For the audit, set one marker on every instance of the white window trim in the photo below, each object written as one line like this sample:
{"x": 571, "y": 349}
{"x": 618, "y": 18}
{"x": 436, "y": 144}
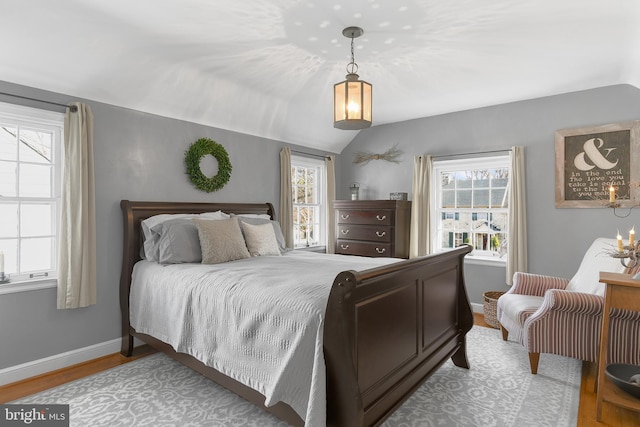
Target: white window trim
{"x": 464, "y": 164}
{"x": 316, "y": 163}
{"x": 28, "y": 116}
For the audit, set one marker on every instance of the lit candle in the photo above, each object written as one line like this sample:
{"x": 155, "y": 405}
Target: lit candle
{"x": 620, "y": 247}
{"x": 632, "y": 236}
{"x": 612, "y": 194}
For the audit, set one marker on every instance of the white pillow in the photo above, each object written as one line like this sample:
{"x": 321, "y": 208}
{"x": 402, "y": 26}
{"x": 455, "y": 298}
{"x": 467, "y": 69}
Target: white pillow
{"x": 261, "y": 216}
{"x": 260, "y": 239}
{"x": 596, "y": 259}
{"x": 152, "y": 230}
{"x": 221, "y": 240}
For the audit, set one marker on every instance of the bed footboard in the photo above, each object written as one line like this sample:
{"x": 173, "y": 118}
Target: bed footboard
{"x": 388, "y": 329}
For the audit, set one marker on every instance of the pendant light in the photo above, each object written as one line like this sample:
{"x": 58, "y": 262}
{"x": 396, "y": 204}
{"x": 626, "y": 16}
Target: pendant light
{"x": 352, "y": 97}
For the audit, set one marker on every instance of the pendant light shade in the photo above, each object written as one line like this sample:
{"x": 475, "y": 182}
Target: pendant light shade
{"x": 352, "y": 97}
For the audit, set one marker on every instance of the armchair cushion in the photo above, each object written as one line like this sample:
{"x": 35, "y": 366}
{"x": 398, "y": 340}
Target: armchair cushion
{"x": 519, "y": 307}
{"x": 596, "y": 259}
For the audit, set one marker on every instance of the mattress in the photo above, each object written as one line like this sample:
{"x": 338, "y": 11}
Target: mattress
{"x": 257, "y": 320}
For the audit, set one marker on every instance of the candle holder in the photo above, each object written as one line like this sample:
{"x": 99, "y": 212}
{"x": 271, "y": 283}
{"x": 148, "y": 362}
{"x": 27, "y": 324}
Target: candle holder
{"x": 629, "y": 253}
{"x": 616, "y": 205}
{"x": 616, "y": 201}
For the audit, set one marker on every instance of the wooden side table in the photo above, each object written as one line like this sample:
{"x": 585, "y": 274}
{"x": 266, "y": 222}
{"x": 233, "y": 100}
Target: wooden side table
{"x": 624, "y": 293}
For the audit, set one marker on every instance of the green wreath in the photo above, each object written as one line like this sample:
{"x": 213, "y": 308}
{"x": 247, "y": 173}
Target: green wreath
{"x": 194, "y": 155}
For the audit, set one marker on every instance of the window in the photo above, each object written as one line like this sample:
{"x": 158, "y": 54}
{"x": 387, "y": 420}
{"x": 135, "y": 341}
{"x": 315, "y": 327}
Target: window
{"x": 30, "y": 176}
{"x": 471, "y": 205}
{"x": 307, "y": 182}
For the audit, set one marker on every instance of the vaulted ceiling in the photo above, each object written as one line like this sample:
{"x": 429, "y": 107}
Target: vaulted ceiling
{"x": 267, "y": 67}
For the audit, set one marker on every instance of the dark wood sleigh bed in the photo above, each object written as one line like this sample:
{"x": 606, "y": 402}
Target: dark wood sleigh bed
{"x": 387, "y": 329}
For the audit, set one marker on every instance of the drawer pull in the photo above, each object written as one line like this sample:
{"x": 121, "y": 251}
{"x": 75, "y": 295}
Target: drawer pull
{"x": 381, "y": 251}
{"x": 345, "y": 232}
{"x": 381, "y": 234}
{"x": 381, "y": 218}
{"x": 344, "y": 247}
{"x": 343, "y": 216}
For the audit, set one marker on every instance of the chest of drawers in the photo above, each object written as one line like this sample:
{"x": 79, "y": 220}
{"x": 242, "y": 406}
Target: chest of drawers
{"x": 372, "y": 227}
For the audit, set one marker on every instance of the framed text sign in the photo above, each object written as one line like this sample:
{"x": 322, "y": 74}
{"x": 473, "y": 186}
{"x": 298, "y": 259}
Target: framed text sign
{"x": 589, "y": 161}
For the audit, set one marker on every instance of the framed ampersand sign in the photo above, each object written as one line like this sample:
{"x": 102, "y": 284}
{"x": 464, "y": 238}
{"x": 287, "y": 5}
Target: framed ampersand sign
{"x": 596, "y": 165}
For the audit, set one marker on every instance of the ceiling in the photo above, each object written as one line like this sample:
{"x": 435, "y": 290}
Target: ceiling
{"x": 267, "y": 67}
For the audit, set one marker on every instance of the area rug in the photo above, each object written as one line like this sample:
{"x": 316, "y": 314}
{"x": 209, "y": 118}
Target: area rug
{"x": 497, "y": 391}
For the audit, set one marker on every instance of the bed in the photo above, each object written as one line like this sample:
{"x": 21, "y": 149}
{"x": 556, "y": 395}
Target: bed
{"x": 387, "y": 326}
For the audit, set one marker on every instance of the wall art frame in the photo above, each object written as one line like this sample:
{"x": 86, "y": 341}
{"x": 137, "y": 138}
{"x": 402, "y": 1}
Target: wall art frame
{"x": 591, "y": 159}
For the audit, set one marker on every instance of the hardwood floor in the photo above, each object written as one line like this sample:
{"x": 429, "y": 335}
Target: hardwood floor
{"x": 612, "y": 416}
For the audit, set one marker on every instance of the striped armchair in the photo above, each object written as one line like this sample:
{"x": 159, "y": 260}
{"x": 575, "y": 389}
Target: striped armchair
{"x": 559, "y": 316}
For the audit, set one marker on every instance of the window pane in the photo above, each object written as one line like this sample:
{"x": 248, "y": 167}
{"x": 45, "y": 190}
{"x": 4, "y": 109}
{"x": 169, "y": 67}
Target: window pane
{"x": 499, "y": 198}
{"x": 35, "y": 146}
{"x": 448, "y": 199}
{"x": 8, "y": 146}
{"x": 9, "y": 222}
{"x": 480, "y": 198}
{"x": 10, "y": 249}
{"x": 35, "y": 181}
{"x": 499, "y": 221}
{"x": 463, "y": 199}
{"x": 447, "y": 222}
{"x": 8, "y": 179}
{"x": 463, "y": 179}
{"x": 464, "y": 221}
{"x": 448, "y": 181}
{"x": 482, "y": 181}
{"x": 35, "y": 220}
{"x": 35, "y": 254}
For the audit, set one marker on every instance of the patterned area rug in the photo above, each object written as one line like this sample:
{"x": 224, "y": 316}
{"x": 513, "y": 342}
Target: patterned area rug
{"x": 498, "y": 391}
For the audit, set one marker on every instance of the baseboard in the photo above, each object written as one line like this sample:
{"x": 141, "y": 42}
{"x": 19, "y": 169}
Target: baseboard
{"x": 63, "y": 360}
{"x": 58, "y": 361}
{"x": 477, "y": 308}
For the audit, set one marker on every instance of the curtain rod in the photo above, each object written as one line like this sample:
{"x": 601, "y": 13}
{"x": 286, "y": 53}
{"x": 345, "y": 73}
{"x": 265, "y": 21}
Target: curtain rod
{"x": 72, "y": 108}
{"x": 320, "y": 156}
{"x": 470, "y": 153}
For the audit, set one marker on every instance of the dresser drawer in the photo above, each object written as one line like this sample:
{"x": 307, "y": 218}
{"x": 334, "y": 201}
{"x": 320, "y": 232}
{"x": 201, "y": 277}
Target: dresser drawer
{"x": 354, "y": 247}
{"x": 352, "y": 216}
{"x": 370, "y": 233}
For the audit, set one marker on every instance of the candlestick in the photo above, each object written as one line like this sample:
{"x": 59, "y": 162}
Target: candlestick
{"x": 612, "y": 194}
{"x": 632, "y": 236}
{"x": 620, "y": 246}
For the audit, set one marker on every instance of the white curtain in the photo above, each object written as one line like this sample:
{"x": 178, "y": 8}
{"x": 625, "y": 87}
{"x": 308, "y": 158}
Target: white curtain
{"x": 517, "y": 240}
{"x": 330, "y": 169}
{"x": 77, "y": 241}
{"x": 286, "y": 201}
{"x": 420, "y": 237}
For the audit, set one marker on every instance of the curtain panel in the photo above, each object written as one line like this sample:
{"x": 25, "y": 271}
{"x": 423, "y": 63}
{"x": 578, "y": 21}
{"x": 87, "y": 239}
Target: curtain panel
{"x": 77, "y": 239}
{"x": 420, "y": 237}
{"x": 330, "y": 170}
{"x": 517, "y": 240}
{"x": 286, "y": 197}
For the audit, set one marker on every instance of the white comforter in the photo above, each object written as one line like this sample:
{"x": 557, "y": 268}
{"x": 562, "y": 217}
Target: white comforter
{"x": 258, "y": 320}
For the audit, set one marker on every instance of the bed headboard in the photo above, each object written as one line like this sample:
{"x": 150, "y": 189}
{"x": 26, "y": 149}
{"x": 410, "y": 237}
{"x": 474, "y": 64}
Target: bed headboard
{"x": 135, "y": 212}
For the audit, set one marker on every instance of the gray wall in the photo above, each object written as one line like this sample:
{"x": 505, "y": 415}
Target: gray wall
{"x": 138, "y": 156}
{"x": 557, "y": 238}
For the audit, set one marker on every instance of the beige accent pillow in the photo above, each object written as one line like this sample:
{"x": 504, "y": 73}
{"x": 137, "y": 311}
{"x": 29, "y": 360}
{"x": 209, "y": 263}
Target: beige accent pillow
{"x": 221, "y": 240}
{"x": 261, "y": 239}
